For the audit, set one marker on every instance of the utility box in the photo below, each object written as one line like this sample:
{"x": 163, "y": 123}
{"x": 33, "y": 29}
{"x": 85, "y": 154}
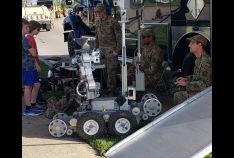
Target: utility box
{"x": 140, "y": 81}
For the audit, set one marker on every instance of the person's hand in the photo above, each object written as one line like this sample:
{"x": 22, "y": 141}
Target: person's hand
{"x": 131, "y": 72}
{"x": 131, "y": 69}
{"x": 141, "y": 68}
{"x": 114, "y": 53}
{"x": 138, "y": 60}
{"x": 181, "y": 81}
{"x": 38, "y": 68}
{"x": 80, "y": 75}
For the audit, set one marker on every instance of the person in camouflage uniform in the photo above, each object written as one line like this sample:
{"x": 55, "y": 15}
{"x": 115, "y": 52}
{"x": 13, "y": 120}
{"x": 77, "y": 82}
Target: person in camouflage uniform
{"x": 55, "y": 106}
{"x": 150, "y": 61}
{"x": 109, "y": 41}
{"x": 202, "y": 75}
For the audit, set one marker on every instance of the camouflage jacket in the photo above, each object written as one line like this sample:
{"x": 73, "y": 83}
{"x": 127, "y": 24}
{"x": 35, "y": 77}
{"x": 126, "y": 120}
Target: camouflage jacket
{"x": 151, "y": 61}
{"x": 202, "y": 75}
{"x": 108, "y": 34}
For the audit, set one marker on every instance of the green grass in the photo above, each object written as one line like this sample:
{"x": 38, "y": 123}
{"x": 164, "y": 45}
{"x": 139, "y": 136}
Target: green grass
{"x": 44, "y": 70}
{"x": 161, "y": 36}
{"x": 103, "y": 143}
{"x": 208, "y": 156}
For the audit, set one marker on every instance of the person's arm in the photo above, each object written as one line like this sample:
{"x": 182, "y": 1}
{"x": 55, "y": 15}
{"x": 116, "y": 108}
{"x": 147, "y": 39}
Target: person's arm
{"x": 32, "y": 52}
{"x": 118, "y": 37}
{"x": 96, "y": 41}
{"x": 205, "y": 79}
{"x": 37, "y": 67}
{"x": 26, "y": 46}
{"x": 155, "y": 63}
{"x": 32, "y": 42}
{"x": 181, "y": 81}
{"x": 96, "y": 36}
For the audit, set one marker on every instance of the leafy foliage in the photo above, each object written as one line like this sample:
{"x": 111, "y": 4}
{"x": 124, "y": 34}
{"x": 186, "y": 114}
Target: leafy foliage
{"x": 208, "y": 156}
{"x": 44, "y": 70}
{"x": 104, "y": 143}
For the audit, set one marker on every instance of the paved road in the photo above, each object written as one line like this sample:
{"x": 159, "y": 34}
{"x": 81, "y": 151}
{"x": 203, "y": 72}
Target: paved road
{"x": 51, "y": 42}
{"x": 36, "y": 140}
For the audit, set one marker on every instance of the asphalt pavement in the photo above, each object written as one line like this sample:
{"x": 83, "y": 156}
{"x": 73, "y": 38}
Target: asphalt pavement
{"x": 38, "y": 143}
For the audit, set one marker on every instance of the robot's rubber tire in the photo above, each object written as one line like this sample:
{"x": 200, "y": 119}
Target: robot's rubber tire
{"x": 121, "y": 123}
{"x": 91, "y": 125}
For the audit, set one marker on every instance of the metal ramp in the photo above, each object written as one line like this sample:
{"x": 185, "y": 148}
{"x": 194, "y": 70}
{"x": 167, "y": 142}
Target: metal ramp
{"x": 184, "y": 131}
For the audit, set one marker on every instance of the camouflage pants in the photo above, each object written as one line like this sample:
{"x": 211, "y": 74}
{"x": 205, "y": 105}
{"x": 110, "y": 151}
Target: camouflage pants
{"x": 154, "y": 82}
{"x": 111, "y": 63}
{"x": 180, "y": 96}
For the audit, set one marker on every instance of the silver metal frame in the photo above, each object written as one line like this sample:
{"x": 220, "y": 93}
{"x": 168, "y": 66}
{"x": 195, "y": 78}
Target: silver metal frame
{"x": 157, "y": 120}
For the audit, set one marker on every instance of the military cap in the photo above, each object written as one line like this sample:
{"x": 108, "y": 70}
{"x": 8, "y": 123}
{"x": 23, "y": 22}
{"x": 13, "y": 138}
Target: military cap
{"x": 148, "y": 32}
{"x": 100, "y": 7}
{"x": 198, "y": 38}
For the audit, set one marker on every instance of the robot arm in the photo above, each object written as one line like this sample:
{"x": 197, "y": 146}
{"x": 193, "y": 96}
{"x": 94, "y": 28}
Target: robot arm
{"x": 87, "y": 87}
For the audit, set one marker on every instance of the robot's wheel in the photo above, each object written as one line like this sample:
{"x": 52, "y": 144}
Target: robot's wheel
{"x": 148, "y": 96}
{"x": 121, "y": 123}
{"x": 61, "y": 116}
{"x": 152, "y": 107}
{"x": 145, "y": 117}
{"x": 91, "y": 125}
{"x": 57, "y": 128}
{"x": 69, "y": 132}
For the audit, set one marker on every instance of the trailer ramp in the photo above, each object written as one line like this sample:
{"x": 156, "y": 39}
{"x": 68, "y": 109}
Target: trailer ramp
{"x": 184, "y": 131}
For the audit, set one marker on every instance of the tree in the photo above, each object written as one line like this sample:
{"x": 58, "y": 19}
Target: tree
{"x": 63, "y": 4}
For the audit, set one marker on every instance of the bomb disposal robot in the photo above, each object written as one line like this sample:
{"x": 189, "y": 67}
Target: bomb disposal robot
{"x": 115, "y": 115}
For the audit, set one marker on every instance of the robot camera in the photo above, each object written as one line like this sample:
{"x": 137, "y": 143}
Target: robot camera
{"x": 116, "y": 3}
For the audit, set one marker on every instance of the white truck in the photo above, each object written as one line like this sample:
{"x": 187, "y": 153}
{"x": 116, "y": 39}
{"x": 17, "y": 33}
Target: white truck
{"x": 37, "y": 13}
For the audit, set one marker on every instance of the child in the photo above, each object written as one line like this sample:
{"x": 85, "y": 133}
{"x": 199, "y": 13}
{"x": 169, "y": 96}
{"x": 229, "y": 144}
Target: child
{"x": 29, "y": 72}
{"x": 34, "y": 29}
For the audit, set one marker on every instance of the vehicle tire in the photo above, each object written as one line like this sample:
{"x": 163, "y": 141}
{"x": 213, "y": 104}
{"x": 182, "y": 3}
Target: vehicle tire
{"x": 121, "y": 123}
{"x": 71, "y": 45}
{"x": 91, "y": 125}
{"x": 47, "y": 29}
